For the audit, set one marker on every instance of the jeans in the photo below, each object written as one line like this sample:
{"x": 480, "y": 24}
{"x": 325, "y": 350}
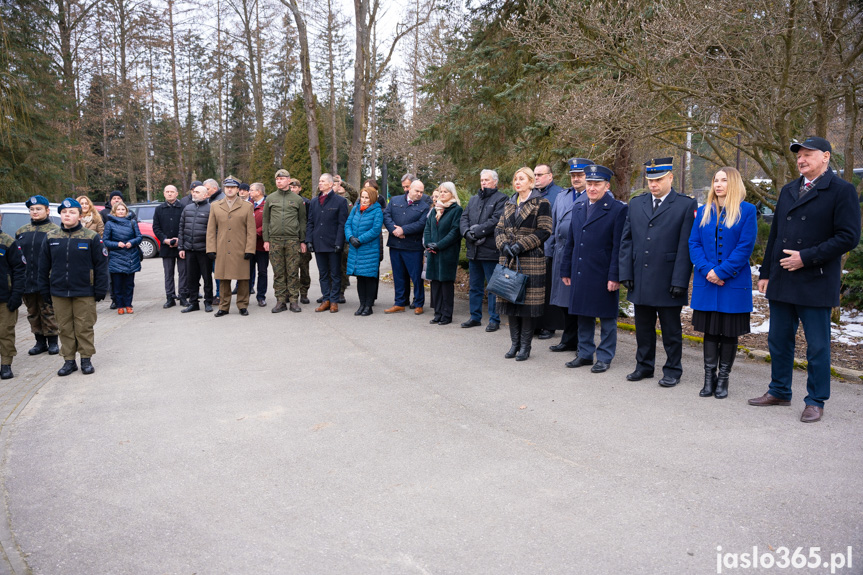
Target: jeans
{"x": 480, "y": 272}
{"x": 407, "y": 268}
{"x": 330, "y": 270}
{"x": 607, "y": 338}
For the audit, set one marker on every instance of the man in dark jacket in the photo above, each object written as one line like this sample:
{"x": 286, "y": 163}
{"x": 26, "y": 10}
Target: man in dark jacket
{"x": 11, "y": 291}
{"x": 325, "y": 235}
{"x": 192, "y": 242}
{"x": 166, "y": 226}
{"x": 477, "y": 226}
{"x": 655, "y": 269}
{"x": 113, "y": 199}
{"x": 551, "y": 319}
{"x": 816, "y": 221}
{"x": 261, "y": 261}
{"x": 405, "y": 219}
{"x": 305, "y": 257}
{"x": 187, "y": 199}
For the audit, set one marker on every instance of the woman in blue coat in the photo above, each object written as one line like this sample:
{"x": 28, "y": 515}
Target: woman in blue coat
{"x": 363, "y": 230}
{"x": 442, "y": 238}
{"x": 122, "y": 237}
{"x": 719, "y": 246}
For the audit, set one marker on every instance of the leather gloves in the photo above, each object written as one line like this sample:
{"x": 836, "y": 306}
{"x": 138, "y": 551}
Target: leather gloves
{"x": 677, "y": 292}
{"x": 355, "y": 242}
{"x": 211, "y": 255}
{"x": 249, "y": 256}
{"x": 99, "y": 296}
{"x": 310, "y": 247}
{"x": 14, "y": 302}
{"x": 628, "y": 284}
{"x": 470, "y": 235}
{"x": 432, "y": 247}
{"x": 507, "y": 251}
{"x": 515, "y": 249}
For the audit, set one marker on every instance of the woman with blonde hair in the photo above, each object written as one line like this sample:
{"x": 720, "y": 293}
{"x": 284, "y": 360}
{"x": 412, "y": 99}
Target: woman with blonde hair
{"x": 122, "y": 238}
{"x": 720, "y": 245}
{"x": 520, "y": 235}
{"x": 90, "y": 217}
{"x": 442, "y": 239}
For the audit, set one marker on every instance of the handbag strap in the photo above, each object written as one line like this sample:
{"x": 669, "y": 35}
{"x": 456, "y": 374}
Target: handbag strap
{"x": 517, "y": 264}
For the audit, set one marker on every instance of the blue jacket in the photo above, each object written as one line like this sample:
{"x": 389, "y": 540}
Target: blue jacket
{"x": 561, "y": 217}
{"x": 412, "y": 220}
{"x": 325, "y": 227}
{"x": 366, "y": 227}
{"x": 122, "y": 260}
{"x": 725, "y": 251}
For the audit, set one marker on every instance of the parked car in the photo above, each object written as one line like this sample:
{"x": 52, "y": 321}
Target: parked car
{"x": 16, "y": 215}
{"x": 144, "y": 211}
{"x": 764, "y": 212}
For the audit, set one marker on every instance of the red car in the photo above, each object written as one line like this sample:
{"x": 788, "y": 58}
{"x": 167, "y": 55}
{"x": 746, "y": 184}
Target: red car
{"x": 149, "y": 242}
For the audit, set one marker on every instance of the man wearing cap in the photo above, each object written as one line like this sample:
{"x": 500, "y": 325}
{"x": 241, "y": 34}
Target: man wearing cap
{"x": 590, "y": 265}
{"x": 40, "y": 312}
{"x": 166, "y": 226}
{"x": 405, "y": 218}
{"x": 12, "y": 277}
{"x": 655, "y": 269}
{"x": 325, "y": 233}
{"x": 284, "y": 233}
{"x": 261, "y": 261}
{"x": 74, "y": 275}
{"x": 231, "y": 244}
{"x": 306, "y": 256}
{"x": 561, "y": 215}
{"x": 243, "y": 194}
{"x": 193, "y": 249}
{"x": 551, "y": 319}
{"x": 816, "y": 221}
{"x": 114, "y": 198}
{"x": 187, "y": 199}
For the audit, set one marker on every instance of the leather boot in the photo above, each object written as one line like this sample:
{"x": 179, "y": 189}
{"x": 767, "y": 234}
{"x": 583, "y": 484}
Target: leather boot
{"x": 87, "y": 367}
{"x": 711, "y": 360}
{"x": 68, "y": 367}
{"x": 526, "y": 339}
{"x": 727, "y": 353}
{"x": 40, "y": 347}
{"x": 53, "y": 347}
{"x": 184, "y": 302}
{"x": 6, "y": 371}
{"x": 514, "y": 336}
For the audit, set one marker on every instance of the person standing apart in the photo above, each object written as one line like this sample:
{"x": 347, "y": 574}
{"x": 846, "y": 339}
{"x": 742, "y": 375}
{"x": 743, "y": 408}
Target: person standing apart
{"x": 283, "y": 229}
{"x": 591, "y": 266}
{"x": 363, "y": 230}
{"x": 816, "y": 221}
{"x": 166, "y": 226}
{"x": 720, "y": 245}
{"x": 655, "y": 269}
{"x": 12, "y": 278}
{"x": 325, "y": 232}
{"x": 193, "y": 249}
{"x": 231, "y": 244}
{"x": 40, "y": 312}
{"x": 122, "y": 238}
{"x": 261, "y": 261}
{"x": 405, "y": 219}
{"x": 74, "y": 277}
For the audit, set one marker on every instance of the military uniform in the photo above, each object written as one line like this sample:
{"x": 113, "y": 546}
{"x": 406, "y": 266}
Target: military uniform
{"x": 305, "y": 260}
{"x": 40, "y": 313}
{"x": 11, "y": 289}
{"x": 284, "y": 227}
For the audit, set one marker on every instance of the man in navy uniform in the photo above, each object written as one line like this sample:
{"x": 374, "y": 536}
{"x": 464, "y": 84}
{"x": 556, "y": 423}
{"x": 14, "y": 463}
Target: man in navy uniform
{"x": 817, "y": 220}
{"x": 591, "y": 266}
{"x": 655, "y": 269}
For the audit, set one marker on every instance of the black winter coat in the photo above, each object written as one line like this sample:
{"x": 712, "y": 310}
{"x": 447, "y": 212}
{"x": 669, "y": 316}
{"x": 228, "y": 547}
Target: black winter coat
{"x": 193, "y": 226}
{"x": 822, "y": 225}
{"x": 483, "y": 211}
{"x": 30, "y": 238}
{"x": 325, "y": 228}
{"x": 11, "y": 270}
{"x": 75, "y": 264}
{"x": 166, "y": 224}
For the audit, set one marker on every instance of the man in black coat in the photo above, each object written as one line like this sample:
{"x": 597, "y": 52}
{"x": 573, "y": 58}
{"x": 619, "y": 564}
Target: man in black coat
{"x": 192, "y": 241}
{"x": 166, "y": 226}
{"x": 477, "y": 226}
{"x": 405, "y": 219}
{"x": 655, "y": 269}
{"x": 325, "y": 236}
{"x": 817, "y": 220}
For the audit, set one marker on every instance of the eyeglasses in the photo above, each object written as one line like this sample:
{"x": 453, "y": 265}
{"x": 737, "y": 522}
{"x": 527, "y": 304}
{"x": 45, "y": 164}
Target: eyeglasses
{"x": 538, "y": 175}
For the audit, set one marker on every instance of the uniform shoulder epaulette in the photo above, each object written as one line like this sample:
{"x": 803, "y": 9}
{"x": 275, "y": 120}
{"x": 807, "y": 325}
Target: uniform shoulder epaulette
{"x": 6, "y": 239}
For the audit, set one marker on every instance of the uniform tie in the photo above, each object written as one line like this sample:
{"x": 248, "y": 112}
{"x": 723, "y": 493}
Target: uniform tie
{"x": 656, "y": 202}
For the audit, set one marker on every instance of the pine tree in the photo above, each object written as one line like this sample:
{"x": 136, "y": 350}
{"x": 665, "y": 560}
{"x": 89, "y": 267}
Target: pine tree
{"x": 296, "y": 158}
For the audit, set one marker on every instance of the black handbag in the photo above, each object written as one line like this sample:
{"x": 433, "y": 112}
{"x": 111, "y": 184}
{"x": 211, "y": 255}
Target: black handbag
{"x": 508, "y": 284}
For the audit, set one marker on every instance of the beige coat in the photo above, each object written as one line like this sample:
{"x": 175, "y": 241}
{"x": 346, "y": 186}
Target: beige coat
{"x": 231, "y": 234}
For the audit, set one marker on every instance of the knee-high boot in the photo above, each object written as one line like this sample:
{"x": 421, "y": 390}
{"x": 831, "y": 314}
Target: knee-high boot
{"x": 727, "y": 353}
{"x": 711, "y": 360}
{"x": 514, "y": 335}
{"x": 527, "y": 324}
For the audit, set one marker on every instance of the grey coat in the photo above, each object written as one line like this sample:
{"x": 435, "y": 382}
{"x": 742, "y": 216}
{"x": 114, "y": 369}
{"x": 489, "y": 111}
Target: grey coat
{"x": 561, "y": 217}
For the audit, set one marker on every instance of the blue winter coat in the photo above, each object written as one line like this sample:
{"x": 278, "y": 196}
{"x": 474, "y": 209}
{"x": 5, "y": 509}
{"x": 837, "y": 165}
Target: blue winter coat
{"x": 726, "y": 252}
{"x": 365, "y": 226}
{"x": 122, "y": 260}
{"x": 561, "y": 217}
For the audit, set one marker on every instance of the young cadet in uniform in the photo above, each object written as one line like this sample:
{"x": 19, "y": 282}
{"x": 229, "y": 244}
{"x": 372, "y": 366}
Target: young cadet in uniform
{"x": 74, "y": 275}
{"x": 11, "y": 289}
{"x": 40, "y": 313}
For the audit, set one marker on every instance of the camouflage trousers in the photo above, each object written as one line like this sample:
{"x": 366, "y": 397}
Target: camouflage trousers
{"x": 8, "y": 319}
{"x": 285, "y": 259}
{"x": 40, "y": 314}
{"x": 305, "y": 278}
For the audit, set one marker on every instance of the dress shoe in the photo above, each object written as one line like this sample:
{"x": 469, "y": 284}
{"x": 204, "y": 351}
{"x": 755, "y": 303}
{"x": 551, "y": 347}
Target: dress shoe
{"x": 87, "y": 367}
{"x": 184, "y": 302}
{"x": 766, "y": 400}
{"x": 492, "y": 326}
{"x": 342, "y": 298}
{"x": 811, "y": 414}
{"x": 40, "y": 347}
{"x": 262, "y": 302}
{"x": 113, "y": 306}
{"x": 360, "y": 310}
{"x": 562, "y": 347}
{"x": 244, "y": 311}
{"x": 295, "y": 307}
{"x": 208, "y": 307}
{"x": 130, "y": 310}
{"x": 215, "y": 300}
{"x": 395, "y": 309}
{"x": 121, "y": 311}
{"x": 638, "y": 375}
{"x": 279, "y": 307}
{"x": 545, "y": 334}
{"x": 6, "y": 371}
{"x": 68, "y": 367}
{"x": 367, "y": 311}
{"x": 668, "y": 381}
{"x": 191, "y": 307}
{"x": 412, "y": 305}
{"x": 471, "y": 323}
{"x": 169, "y": 303}
{"x": 220, "y": 313}
{"x": 334, "y": 308}
{"x": 418, "y": 311}
{"x": 304, "y": 299}
{"x": 53, "y": 345}
{"x": 435, "y": 319}
{"x": 320, "y": 299}
{"x": 599, "y": 367}
{"x": 445, "y": 321}
{"x": 579, "y": 361}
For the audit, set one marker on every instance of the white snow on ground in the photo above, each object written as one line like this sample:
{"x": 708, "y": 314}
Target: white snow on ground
{"x": 763, "y": 328}
{"x": 850, "y": 331}
{"x": 756, "y": 270}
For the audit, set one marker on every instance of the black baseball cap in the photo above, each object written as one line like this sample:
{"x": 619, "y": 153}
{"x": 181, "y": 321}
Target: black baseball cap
{"x": 812, "y": 143}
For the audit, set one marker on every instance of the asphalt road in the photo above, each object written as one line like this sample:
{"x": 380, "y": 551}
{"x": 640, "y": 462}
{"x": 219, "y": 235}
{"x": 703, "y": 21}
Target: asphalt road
{"x": 328, "y": 443}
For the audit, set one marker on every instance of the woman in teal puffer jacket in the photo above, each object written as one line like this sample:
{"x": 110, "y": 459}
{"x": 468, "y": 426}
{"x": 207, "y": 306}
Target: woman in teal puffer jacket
{"x": 363, "y": 230}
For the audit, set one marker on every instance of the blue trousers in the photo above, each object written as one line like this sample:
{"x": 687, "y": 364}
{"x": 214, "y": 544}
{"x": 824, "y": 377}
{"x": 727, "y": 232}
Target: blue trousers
{"x": 260, "y": 261}
{"x": 784, "y": 320}
{"x": 480, "y": 273}
{"x": 407, "y": 268}
{"x": 123, "y": 288}
{"x": 607, "y": 338}
{"x": 330, "y": 272}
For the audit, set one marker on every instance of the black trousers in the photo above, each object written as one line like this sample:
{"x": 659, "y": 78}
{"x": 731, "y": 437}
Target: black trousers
{"x": 330, "y": 274}
{"x": 168, "y": 264}
{"x": 260, "y": 261}
{"x": 442, "y": 298}
{"x": 672, "y": 338}
{"x": 570, "y": 329}
{"x": 199, "y": 266}
{"x": 367, "y": 290}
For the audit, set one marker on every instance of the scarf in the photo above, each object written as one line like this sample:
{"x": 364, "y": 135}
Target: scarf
{"x": 441, "y": 206}
{"x": 87, "y": 220}
{"x": 363, "y": 208}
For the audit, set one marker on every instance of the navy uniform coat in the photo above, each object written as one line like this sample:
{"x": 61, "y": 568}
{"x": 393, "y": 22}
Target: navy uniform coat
{"x": 822, "y": 225}
{"x": 592, "y": 257}
{"x": 555, "y": 246}
{"x": 325, "y": 228}
{"x": 654, "y": 250}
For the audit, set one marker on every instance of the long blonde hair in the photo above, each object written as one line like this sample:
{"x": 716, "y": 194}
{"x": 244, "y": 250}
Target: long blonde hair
{"x": 735, "y": 192}
{"x": 92, "y": 212}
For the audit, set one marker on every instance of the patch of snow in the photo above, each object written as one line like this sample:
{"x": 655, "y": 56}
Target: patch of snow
{"x": 763, "y": 328}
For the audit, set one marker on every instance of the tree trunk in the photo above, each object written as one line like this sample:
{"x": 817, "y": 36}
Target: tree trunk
{"x": 220, "y": 71}
{"x": 181, "y": 165}
{"x": 851, "y": 111}
{"x": 334, "y": 148}
{"x": 126, "y": 97}
{"x": 622, "y": 167}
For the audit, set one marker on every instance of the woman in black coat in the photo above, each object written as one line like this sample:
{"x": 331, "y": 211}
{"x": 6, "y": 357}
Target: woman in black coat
{"x": 442, "y": 239}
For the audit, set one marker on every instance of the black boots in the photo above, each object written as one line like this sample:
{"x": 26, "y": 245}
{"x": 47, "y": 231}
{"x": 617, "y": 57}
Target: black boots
{"x": 526, "y": 339}
{"x": 514, "y": 336}
{"x": 711, "y": 360}
{"x": 40, "y": 347}
{"x": 184, "y": 302}
{"x": 194, "y": 306}
{"x": 169, "y": 303}
{"x": 6, "y": 371}
{"x": 53, "y": 347}
{"x": 68, "y": 367}
{"x": 87, "y": 367}
{"x": 727, "y": 354}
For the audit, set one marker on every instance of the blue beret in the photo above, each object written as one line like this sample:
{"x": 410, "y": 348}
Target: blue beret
{"x": 658, "y": 167}
{"x": 595, "y": 173}
{"x": 578, "y": 164}
{"x": 37, "y": 201}
{"x": 69, "y": 203}
{"x": 231, "y": 182}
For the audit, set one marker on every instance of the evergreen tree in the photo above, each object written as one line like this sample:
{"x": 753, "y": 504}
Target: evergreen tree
{"x": 262, "y": 165}
{"x": 241, "y": 122}
{"x": 296, "y": 158}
